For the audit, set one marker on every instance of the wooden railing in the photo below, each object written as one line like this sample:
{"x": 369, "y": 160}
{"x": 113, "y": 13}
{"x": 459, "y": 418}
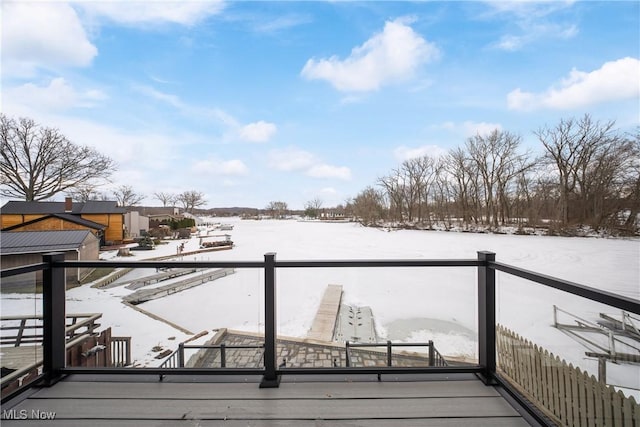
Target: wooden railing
{"x": 29, "y": 328}
{"x": 566, "y": 394}
{"x": 84, "y": 346}
{"x": 120, "y": 351}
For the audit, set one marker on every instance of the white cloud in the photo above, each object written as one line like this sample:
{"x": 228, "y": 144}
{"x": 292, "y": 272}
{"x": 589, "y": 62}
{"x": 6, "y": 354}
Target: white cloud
{"x": 167, "y": 98}
{"x": 293, "y": 159}
{"x": 281, "y": 23}
{"x": 56, "y": 96}
{"x": 615, "y": 80}
{"x": 220, "y": 167}
{"x": 479, "y": 128}
{"x": 510, "y": 42}
{"x": 534, "y": 19}
{"x": 528, "y": 8}
{"x": 470, "y": 128}
{"x": 42, "y": 35}
{"x": 329, "y": 191}
{"x": 328, "y": 171}
{"x": 403, "y": 153}
{"x": 260, "y": 131}
{"x": 290, "y": 159}
{"x": 152, "y": 12}
{"x": 532, "y": 32}
{"x": 392, "y": 55}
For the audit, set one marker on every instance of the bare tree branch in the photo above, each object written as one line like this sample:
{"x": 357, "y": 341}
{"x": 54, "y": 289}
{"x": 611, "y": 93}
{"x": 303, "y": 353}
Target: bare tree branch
{"x": 36, "y": 162}
{"x": 125, "y": 196}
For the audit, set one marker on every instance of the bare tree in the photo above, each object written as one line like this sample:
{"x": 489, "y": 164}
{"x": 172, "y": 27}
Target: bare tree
{"x": 277, "y": 209}
{"x": 460, "y": 171}
{"x": 312, "y": 208}
{"x": 37, "y": 162}
{"x": 609, "y": 181}
{"x": 166, "y": 198}
{"x": 191, "y": 199}
{"x": 571, "y": 146}
{"x": 125, "y": 196}
{"x": 394, "y": 186}
{"x": 498, "y": 162}
{"x": 631, "y": 192}
{"x": 85, "y": 193}
{"x": 368, "y": 206}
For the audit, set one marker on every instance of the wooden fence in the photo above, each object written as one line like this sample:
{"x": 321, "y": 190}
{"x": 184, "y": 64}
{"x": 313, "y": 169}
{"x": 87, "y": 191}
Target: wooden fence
{"x": 567, "y": 395}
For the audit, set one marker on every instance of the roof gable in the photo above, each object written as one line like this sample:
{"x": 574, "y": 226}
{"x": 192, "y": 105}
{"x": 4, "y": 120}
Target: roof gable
{"x": 65, "y": 217}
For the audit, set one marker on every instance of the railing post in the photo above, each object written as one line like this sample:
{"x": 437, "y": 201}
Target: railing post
{"x": 53, "y": 315}
{"x": 389, "y": 353}
{"x": 432, "y": 354}
{"x": 181, "y": 355}
{"x": 223, "y": 355}
{"x": 347, "y": 357}
{"x": 270, "y": 379}
{"x": 487, "y": 317}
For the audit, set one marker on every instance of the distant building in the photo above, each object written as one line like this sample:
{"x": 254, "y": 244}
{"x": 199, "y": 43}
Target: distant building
{"x": 19, "y": 248}
{"x": 135, "y": 224}
{"x": 332, "y": 214}
{"x": 105, "y": 219}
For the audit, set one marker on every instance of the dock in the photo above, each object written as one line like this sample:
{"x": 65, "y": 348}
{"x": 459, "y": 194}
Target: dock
{"x": 144, "y": 295}
{"x": 159, "y": 277}
{"x": 324, "y": 324}
{"x": 355, "y": 324}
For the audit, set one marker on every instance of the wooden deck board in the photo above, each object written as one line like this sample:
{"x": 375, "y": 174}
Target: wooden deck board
{"x": 82, "y": 390}
{"x": 301, "y": 404}
{"x": 283, "y": 409}
{"x": 433, "y": 422}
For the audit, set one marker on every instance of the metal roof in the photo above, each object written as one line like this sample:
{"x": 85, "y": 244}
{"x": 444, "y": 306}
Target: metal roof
{"x": 90, "y": 207}
{"x": 22, "y": 242}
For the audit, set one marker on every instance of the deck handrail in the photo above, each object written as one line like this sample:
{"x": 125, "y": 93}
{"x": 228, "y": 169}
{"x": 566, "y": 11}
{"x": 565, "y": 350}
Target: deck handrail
{"x": 54, "y": 331}
{"x": 88, "y": 321}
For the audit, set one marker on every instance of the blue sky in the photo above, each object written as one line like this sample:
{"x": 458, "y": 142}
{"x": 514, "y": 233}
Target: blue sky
{"x": 252, "y": 102}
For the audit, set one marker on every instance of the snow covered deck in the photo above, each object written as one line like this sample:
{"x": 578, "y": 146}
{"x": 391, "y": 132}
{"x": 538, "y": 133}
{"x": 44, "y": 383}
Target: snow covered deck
{"x": 335, "y": 400}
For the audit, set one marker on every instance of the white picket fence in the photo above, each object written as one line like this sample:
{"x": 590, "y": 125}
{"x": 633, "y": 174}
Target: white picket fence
{"x": 564, "y": 393}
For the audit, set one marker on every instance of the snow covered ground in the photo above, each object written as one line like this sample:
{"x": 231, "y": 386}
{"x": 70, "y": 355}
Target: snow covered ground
{"x": 408, "y": 304}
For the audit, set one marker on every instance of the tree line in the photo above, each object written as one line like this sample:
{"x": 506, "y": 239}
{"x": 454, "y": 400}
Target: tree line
{"x": 38, "y": 162}
{"x": 588, "y": 174}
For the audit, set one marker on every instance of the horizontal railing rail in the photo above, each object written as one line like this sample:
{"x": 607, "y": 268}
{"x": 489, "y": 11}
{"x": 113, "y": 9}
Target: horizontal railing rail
{"x": 604, "y": 297}
{"x": 14, "y": 271}
{"x": 434, "y": 357}
{"x": 222, "y": 347}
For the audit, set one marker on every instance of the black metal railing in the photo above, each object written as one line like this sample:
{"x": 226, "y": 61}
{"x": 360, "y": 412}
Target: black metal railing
{"x": 54, "y": 266}
{"x": 434, "y": 356}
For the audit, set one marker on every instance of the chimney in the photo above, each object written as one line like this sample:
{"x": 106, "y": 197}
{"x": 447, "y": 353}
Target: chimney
{"x": 68, "y": 204}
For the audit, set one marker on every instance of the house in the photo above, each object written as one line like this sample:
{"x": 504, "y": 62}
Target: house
{"x": 103, "y": 218}
{"x": 19, "y": 248}
{"x": 136, "y": 225}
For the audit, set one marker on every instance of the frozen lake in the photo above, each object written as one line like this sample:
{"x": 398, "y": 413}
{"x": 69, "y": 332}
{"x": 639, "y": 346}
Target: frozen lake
{"x": 409, "y": 304}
